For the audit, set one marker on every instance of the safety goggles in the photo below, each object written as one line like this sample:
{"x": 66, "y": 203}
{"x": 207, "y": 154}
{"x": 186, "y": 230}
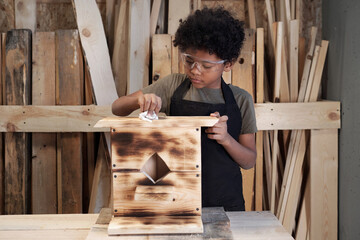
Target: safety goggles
{"x": 201, "y": 64}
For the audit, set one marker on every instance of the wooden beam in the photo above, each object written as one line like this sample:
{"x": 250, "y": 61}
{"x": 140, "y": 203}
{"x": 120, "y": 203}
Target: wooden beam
{"x": 294, "y": 59}
{"x": 69, "y": 87}
{"x": 2, "y": 79}
{"x": 44, "y": 195}
{"x": 7, "y": 13}
{"x": 155, "y": 9}
{"x": 259, "y": 135}
{"x": 324, "y": 175}
{"x": 251, "y": 11}
{"x": 269, "y": 116}
{"x": 93, "y": 41}
{"x": 17, "y": 149}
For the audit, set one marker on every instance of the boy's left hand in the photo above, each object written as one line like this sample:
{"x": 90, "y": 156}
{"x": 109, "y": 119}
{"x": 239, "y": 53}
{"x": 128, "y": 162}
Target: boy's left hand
{"x": 219, "y": 131}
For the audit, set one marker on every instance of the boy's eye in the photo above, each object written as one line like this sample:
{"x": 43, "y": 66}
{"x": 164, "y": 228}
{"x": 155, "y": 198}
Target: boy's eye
{"x": 207, "y": 65}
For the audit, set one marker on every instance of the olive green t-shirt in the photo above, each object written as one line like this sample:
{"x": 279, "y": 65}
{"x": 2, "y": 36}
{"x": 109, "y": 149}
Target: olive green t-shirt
{"x": 165, "y": 88}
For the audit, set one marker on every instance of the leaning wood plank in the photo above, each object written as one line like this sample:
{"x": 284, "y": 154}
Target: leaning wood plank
{"x": 120, "y": 54}
{"x": 2, "y": 72}
{"x": 93, "y": 41}
{"x": 17, "y": 92}
{"x": 323, "y": 175}
{"x": 269, "y": 116}
{"x": 44, "y": 198}
{"x": 312, "y": 73}
{"x": 109, "y": 23}
{"x": 251, "y": 10}
{"x": 259, "y": 135}
{"x": 139, "y": 45}
{"x": 304, "y": 217}
{"x": 178, "y": 10}
{"x": 174, "y": 57}
{"x": 293, "y": 52}
{"x": 161, "y": 48}
{"x": 155, "y": 9}
{"x": 25, "y": 14}
{"x": 69, "y": 83}
{"x": 7, "y": 13}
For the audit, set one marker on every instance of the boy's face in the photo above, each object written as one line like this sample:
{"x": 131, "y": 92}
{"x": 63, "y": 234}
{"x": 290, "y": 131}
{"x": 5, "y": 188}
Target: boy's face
{"x": 203, "y": 69}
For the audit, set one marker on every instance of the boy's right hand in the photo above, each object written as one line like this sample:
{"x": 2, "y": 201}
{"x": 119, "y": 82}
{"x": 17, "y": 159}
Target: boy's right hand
{"x": 149, "y": 102}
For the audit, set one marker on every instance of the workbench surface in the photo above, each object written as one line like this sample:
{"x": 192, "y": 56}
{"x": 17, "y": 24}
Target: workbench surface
{"x": 244, "y": 225}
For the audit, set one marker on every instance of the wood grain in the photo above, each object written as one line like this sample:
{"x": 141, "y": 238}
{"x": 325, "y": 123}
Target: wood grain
{"x": 178, "y": 11}
{"x": 162, "y": 55}
{"x": 17, "y": 148}
{"x": 44, "y": 194}
{"x": 25, "y": 14}
{"x": 69, "y": 87}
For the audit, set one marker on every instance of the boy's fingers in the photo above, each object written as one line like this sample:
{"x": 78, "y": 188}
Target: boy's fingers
{"x": 215, "y": 114}
{"x": 141, "y": 104}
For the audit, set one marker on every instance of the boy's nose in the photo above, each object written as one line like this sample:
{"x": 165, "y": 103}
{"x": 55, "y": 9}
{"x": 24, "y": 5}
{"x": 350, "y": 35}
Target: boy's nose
{"x": 198, "y": 67}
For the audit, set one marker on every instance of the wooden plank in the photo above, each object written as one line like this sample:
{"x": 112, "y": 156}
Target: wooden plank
{"x": 177, "y": 147}
{"x": 324, "y": 175}
{"x": 259, "y": 135}
{"x": 161, "y": 48}
{"x": 251, "y": 10}
{"x": 93, "y": 41}
{"x": 69, "y": 84}
{"x": 120, "y": 65}
{"x": 235, "y": 6}
{"x": 312, "y": 74}
{"x": 110, "y": 6}
{"x": 2, "y": 77}
{"x": 269, "y": 116}
{"x": 25, "y": 14}
{"x": 178, "y": 11}
{"x": 304, "y": 217}
{"x": 17, "y": 148}
{"x": 302, "y": 54}
{"x": 101, "y": 187}
{"x": 7, "y": 15}
{"x": 175, "y": 57}
{"x": 155, "y": 9}
{"x": 242, "y": 71}
{"x": 294, "y": 59}
{"x": 44, "y": 197}
{"x": 139, "y": 45}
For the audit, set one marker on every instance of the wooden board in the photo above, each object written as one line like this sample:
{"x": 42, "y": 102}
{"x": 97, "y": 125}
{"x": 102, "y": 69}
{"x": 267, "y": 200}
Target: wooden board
{"x": 93, "y": 41}
{"x": 269, "y": 116}
{"x": 17, "y": 92}
{"x": 2, "y": 76}
{"x": 119, "y": 63}
{"x": 7, "y": 15}
{"x": 324, "y": 176}
{"x": 162, "y": 55}
{"x": 44, "y": 195}
{"x": 69, "y": 87}
{"x": 179, "y": 147}
{"x": 25, "y": 14}
{"x": 178, "y": 11}
{"x": 139, "y": 45}
{"x": 235, "y": 6}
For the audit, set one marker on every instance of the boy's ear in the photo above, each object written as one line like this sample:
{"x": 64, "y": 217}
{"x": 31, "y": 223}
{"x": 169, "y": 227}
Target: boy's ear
{"x": 228, "y": 66}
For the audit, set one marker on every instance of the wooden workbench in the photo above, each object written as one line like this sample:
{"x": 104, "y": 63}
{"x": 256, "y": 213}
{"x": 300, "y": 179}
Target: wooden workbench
{"x": 244, "y": 225}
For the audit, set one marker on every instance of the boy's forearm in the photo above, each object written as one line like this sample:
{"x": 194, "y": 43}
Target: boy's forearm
{"x": 125, "y": 105}
{"x": 242, "y": 155}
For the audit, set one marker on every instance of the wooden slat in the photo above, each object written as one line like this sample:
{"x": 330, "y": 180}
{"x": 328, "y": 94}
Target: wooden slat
{"x": 110, "y": 22}
{"x": 324, "y": 175}
{"x": 175, "y": 61}
{"x": 269, "y": 116}
{"x": 294, "y": 58}
{"x": 2, "y": 77}
{"x": 251, "y": 10}
{"x": 7, "y": 13}
{"x": 93, "y": 41}
{"x": 304, "y": 217}
{"x": 237, "y": 7}
{"x": 17, "y": 92}
{"x": 69, "y": 86}
{"x": 25, "y": 14}
{"x": 120, "y": 65}
{"x": 162, "y": 56}
{"x": 259, "y": 135}
{"x": 155, "y": 9}
{"x": 44, "y": 195}
{"x": 178, "y": 10}
{"x": 139, "y": 45}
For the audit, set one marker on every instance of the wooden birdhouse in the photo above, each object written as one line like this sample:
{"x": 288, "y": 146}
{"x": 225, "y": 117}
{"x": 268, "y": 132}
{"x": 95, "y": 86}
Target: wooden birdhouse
{"x": 156, "y": 169}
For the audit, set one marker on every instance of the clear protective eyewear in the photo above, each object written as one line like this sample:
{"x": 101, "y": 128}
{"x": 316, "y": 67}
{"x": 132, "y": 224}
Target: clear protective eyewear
{"x": 202, "y": 65}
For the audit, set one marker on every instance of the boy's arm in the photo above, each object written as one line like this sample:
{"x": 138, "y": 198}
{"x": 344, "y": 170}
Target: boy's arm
{"x": 243, "y": 150}
{"x": 125, "y": 105}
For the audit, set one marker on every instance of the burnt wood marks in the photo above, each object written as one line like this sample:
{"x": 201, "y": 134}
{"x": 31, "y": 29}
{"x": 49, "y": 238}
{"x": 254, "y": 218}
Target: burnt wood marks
{"x": 178, "y": 147}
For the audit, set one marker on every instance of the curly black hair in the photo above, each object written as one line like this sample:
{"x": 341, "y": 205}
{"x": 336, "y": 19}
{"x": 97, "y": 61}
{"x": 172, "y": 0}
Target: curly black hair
{"x": 214, "y": 30}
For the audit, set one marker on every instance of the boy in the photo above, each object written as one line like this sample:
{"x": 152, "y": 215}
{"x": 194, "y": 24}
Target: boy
{"x": 210, "y": 41}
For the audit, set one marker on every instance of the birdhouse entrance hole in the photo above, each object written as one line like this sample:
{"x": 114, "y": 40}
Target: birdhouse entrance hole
{"x": 155, "y": 168}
